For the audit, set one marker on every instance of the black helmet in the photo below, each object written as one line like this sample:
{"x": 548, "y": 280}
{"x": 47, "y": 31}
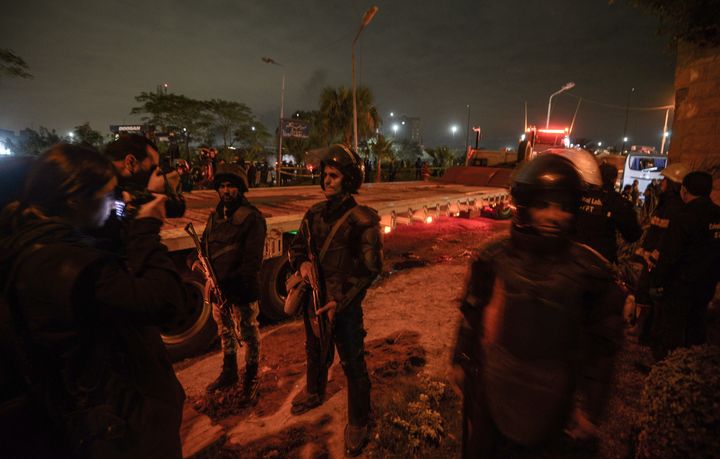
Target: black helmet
{"x": 346, "y": 161}
{"x": 546, "y": 178}
{"x": 232, "y": 173}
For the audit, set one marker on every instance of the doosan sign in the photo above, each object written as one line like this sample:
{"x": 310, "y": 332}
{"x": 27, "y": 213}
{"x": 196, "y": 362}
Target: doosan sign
{"x": 126, "y": 128}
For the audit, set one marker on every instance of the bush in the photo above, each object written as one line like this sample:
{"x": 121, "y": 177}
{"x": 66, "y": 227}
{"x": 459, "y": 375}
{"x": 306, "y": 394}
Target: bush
{"x": 416, "y": 420}
{"x": 681, "y": 400}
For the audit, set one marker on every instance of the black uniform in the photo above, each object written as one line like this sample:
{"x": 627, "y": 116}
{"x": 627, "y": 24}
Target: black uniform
{"x": 669, "y": 206}
{"x": 687, "y": 272}
{"x": 87, "y": 322}
{"x": 540, "y": 317}
{"x": 234, "y": 239}
{"x": 603, "y": 212}
{"x": 352, "y": 262}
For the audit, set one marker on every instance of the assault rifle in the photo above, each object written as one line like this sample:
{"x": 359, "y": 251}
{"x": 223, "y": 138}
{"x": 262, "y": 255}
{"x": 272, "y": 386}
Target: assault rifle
{"x": 212, "y": 285}
{"x": 320, "y": 323}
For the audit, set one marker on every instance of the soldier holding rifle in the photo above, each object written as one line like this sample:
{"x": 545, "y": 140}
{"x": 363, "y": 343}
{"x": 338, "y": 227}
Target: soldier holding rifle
{"x": 338, "y": 252}
{"x": 233, "y": 244}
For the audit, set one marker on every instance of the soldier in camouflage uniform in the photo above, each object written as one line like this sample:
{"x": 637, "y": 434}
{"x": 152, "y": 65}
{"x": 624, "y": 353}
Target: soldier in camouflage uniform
{"x": 234, "y": 240}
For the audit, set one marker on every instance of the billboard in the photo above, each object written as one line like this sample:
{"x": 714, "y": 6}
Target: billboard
{"x": 298, "y": 129}
{"x": 126, "y": 128}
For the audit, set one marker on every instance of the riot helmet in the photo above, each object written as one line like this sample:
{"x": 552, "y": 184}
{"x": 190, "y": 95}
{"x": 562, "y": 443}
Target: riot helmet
{"x": 583, "y": 161}
{"x": 547, "y": 178}
{"x": 232, "y": 173}
{"x": 346, "y": 161}
{"x": 676, "y": 172}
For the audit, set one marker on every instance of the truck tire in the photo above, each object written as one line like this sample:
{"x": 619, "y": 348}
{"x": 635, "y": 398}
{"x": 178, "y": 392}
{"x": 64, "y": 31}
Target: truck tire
{"x": 503, "y": 212}
{"x": 524, "y": 151}
{"x": 194, "y": 333}
{"x": 273, "y": 275}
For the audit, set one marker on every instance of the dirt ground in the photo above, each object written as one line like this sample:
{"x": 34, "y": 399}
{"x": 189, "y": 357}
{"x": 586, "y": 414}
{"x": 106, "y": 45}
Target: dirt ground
{"x": 411, "y": 318}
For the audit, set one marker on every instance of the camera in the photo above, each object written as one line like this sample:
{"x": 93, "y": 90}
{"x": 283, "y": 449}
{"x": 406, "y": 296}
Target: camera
{"x": 174, "y": 205}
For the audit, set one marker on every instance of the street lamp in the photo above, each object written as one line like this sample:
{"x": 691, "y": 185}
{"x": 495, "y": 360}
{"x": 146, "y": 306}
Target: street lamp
{"x": 565, "y": 87}
{"x": 395, "y": 128}
{"x": 467, "y": 128}
{"x": 269, "y": 60}
{"x": 369, "y": 14}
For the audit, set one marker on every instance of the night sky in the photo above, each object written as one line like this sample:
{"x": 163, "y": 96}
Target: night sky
{"x": 420, "y": 58}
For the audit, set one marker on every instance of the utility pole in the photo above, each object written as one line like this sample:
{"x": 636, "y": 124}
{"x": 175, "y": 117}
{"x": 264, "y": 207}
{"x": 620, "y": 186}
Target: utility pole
{"x": 467, "y": 128}
{"x": 369, "y": 14}
{"x": 278, "y": 167}
{"x": 665, "y": 132}
{"x": 627, "y": 116}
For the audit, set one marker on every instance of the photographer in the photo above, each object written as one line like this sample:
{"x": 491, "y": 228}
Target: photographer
{"x": 99, "y": 380}
{"x": 136, "y": 162}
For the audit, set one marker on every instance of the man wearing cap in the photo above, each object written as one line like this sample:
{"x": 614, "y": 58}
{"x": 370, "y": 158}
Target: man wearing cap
{"x": 233, "y": 241}
{"x": 684, "y": 279}
{"x": 646, "y": 257}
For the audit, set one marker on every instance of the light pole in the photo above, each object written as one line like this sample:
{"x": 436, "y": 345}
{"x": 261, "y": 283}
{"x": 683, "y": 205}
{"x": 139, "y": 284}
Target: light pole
{"x": 467, "y": 128}
{"x": 627, "y": 115}
{"x": 369, "y": 14}
{"x": 268, "y": 60}
{"x": 565, "y": 87}
{"x": 665, "y": 133}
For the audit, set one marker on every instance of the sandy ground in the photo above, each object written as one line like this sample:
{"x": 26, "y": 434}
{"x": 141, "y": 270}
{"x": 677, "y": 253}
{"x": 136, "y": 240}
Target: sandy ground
{"x": 410, "y": 317}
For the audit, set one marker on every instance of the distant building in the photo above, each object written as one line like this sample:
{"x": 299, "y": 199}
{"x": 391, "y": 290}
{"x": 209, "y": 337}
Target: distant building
{"x": 404, "y": 128}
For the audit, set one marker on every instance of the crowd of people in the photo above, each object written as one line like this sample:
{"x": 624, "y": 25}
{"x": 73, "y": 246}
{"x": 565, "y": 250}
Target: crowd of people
{"x": 86, "y": 284}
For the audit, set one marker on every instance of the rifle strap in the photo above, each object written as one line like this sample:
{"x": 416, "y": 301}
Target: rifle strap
{"x": 333, "y": 231}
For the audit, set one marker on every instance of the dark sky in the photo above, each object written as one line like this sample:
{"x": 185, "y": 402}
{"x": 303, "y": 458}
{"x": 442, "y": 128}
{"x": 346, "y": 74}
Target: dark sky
{"x": 420, "y": 58}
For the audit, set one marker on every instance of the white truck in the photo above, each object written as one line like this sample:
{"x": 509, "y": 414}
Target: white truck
{"x": 283, "y": 207}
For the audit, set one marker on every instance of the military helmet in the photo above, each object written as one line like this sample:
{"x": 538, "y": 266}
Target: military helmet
{"x": 346, "y": 161}
{"x": 583, "y": 161}
{"x": 547, "y": 178}
{"x": 233, "y": 173}
{"x": 676, "y": 172}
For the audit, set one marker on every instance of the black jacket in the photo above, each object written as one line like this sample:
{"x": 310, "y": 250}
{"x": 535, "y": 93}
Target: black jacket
{"x": 354, "y": 258}
{"x": 602, "y": 214}
{"x": 88, "y": 325}
{"x": 534, "y": 309}
{"x": 235, "y": 244}
{"x": 689, "y": 264}
{"x": 669, "y": 206}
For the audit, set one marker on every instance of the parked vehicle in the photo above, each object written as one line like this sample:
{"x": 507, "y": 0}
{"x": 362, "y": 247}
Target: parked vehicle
{"x": 398, "y": 203}
{"x": 643, "y": 167}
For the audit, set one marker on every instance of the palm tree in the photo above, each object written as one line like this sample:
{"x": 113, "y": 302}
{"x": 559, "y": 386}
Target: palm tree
{"x": 336, "y": 115}
{"x": 382, "y": 149}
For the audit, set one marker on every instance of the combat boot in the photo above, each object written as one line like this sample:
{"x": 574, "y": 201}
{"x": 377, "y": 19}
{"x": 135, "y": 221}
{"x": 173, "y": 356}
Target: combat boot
{"x": 305, "y": 401}
{"x": 228, "y": 375}
{"x": 250, "y": 382}
{"x": 356, "y": 437}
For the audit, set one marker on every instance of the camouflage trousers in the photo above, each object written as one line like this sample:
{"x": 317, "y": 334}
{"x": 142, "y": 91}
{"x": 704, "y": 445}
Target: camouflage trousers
{"x": 243, "y": 318}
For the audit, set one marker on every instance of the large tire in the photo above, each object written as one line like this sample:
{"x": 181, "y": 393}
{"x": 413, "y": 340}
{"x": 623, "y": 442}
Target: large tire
{"x": 273, "y": 275}
{"x": 503, "y": 211}
{"x": 524, "y": 151}
{"x": 194, "y": 333}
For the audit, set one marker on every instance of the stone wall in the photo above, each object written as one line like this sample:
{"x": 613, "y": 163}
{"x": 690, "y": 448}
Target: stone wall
{"x": 696, "y": 127}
